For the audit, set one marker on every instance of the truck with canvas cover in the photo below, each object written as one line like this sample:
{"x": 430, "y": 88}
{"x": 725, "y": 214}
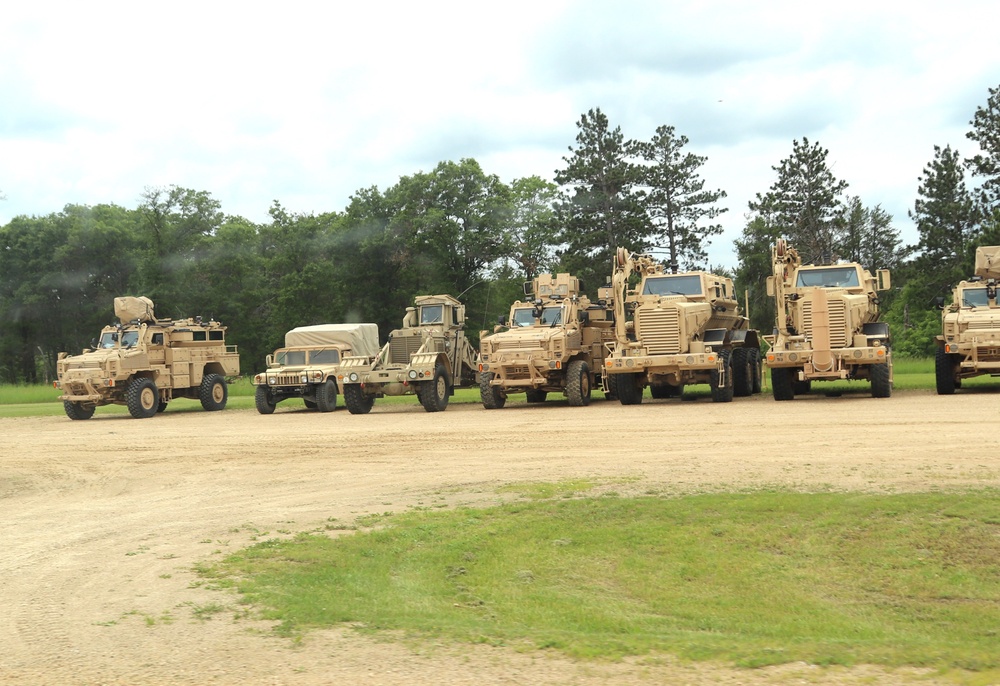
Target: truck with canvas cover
{"x": 826, "y": 325}
{"x": 969, "y": 344}
{"x": 554, "y": 342}
{"x": 144, "y": 362}
{"x": 429, "y": 356}
{"x": 676, "y": 329}
{"x": 308, "y": 366}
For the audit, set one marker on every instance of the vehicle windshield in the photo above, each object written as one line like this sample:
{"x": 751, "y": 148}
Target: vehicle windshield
{"x": 432, "y": 314}
{"x": 975, "y": 297}
{"x": 522, "y": 317}
{"x": 832, "y": 277}
{"x": 551, "y": 316}
{"x": 689, "y": 284}
{"x": 324, "y": 356}
{"x": 290, "y": 358}
{"x": 108, "y": 339}
{"x": 525, "y": 316}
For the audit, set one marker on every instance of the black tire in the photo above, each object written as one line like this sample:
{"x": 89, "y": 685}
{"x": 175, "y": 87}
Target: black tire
{"x": 264, "y": 401}
{"x": 944, "y": 371}
{"x": 629, "y": 390}
{"x": 880, "y": 378}
{"x": 743, "y": 373}
{"x": 356, "y": 400}
{"x": 213, "y": 392}
{"x": 802, "y": 387}
{"x": 781, "y": 383}
{"x": 757, "y": 369}
{"x": 533, "y": 395}
{"x": 310, "y": 405}
{"x": 78, "y": 410}
{"x": 578, "y": 383}
{"x": 162, "y": 406}
{"x": 722, "y": 393}
{"x": 326, "y": 396}
{"x": 433, "y": 394}
{"x": 142, "y": 397}
{"x": 493, "y": 397}
{"x": 612, "y": 383}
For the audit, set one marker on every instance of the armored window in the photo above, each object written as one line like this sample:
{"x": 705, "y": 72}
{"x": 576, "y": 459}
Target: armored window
{"x": 108, "y": 339}
{"x": 325, "y": 356}
{"x": 975, "y": 297}
{"x": 432, "y": 314}
{"x": 832, "y": 277}
{"x": 215, "y": 335}
{"x": 551, "y": 316}
{"x": 198, "y": 336}
{"x": 157, "y": 339}
{"x": 130, "y": 338}
{"x": 673, "y": 285}
{"x": 522, "y": 317}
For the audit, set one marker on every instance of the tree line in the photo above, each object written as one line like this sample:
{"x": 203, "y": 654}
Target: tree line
{"x": 457, "y": 229}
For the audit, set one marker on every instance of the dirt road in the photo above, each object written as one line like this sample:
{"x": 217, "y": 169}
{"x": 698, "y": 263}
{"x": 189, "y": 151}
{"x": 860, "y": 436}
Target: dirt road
{"x": 101, "y": 521}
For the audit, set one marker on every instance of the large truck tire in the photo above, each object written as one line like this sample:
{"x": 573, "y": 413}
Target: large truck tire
{"x": 213, "y": 392}
{"x": 578, "y": 383}
{"x": 781, "y": 383}
{"x": 493, "y": 397}
{"x": 433, "y": 394}
{"x": 742, "y": 373}
{"x": 264, "y": 401}
{"x": 629, "y": 390}
{"x": 78, "y": 410}
{"x": 142, "y": 397}
{"x": 880, "y": 377}
{"x": 326, "y": 396}
{"x": 356, "y": 400}
{"x": 722, "y": 389}
{"x": 944, "y": 371}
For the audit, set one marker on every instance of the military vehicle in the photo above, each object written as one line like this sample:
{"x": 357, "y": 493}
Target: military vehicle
{"x": 429, "y": 356}
{"x": 309, "y": 364}
{"x": 143, "y": 363}
{"x": 826, "y": 325}
{"x": 675, "y": 329}
{"x": 554, "y": 342}
{"x": 969, "y": 344}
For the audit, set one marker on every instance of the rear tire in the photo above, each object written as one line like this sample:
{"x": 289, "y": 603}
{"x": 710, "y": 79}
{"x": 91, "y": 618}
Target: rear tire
{"x": 781, "y": 383}
{"x": 534, "y": 395}
{"x": 77, "y": 410}
{"x": 213, "y": 392}
{"x": 743, "y": 373}
{"x": 802, "y": 387}
{"x": 944, "y": 371}
{"x": 433, "y": 394}
{"x": 326, "y": 396}
{"x": 611, "y": 380}
{"x": 756, "y": 367}
{"x": 142, "y": 397}
{"x": 493, "y": 397}
{"x": 880, "y": 378}
{"x": 578, "y": 383}
{"x": 263, "y": 400}
{"x": 356, "y": 400}
{"x": 722, "y": 393}
{"x": 629, "y": 390}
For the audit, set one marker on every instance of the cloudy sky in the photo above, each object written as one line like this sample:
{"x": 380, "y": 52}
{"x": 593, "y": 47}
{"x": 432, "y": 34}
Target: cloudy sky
{"x": 305, "y": 103}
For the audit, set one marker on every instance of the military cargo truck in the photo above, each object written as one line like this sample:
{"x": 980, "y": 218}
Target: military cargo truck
{"x": 553, "y": 343}
{"x": 143, "y": 363}
{"x": 969, "y": 344}
{"x": 827, "y": 325}
{"x": 429, "y": 356}
{"x": 309, "y": 364}
{"x": 672, "y": 330}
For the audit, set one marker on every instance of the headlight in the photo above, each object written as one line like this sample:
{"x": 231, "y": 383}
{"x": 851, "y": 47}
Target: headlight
{"x": 272, "y": 380}
{"x": 353, "y": 377}
{"x": 412, "y": 374}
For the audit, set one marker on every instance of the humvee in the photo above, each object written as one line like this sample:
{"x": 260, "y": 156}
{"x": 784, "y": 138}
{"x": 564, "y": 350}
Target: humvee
{"x": 143, "y": 363}
{"x": 672, "y": 330}
{"x": 553, "y": 342}
{"x": 309, "y": 364}
{"x": 826, "y": 325}
{"x": 429, "y": 356}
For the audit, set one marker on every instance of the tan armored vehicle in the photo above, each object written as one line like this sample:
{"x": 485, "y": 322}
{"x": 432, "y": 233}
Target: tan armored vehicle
{"x": 309, "y": 364}
{"x": 144, "y": 362}
{"x": 672, "y": 330}
{"x": 554, "y": 342}
{"x": 969, "y": 344}
{"x": 826, "y": 325}
{"x": 429, "y": 356}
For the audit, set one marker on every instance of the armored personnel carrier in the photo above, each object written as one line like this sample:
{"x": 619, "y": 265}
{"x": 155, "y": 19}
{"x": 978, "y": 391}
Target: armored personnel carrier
{"x": 143, "y": 363}
{"x": 429, "y": 356}
{"x": 826, "y": 325}
{"x": 554, "y": 342}
{"x": 672, "y": 330}
{"x": 969, "y": 344}
{"x": 309, "y": 364}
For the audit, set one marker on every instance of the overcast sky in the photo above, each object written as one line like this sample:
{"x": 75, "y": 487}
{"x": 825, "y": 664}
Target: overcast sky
{"x": 306, "y": 103}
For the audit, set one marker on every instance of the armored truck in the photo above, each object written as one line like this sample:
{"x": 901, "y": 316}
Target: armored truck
{"x": 969, "y": 344}
{"x": 144, "y": 362}
{"x": 309, "y": 364}
{"x": 675, "y": 329}
{"x": 554, "y": 342}
{"x": 826, "y": 325}
{"x": 429, "y": 356}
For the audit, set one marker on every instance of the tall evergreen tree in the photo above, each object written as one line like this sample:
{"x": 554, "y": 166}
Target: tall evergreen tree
{"x": 986, "y": 164}
{"x": 676, "y": 199}
{"x": 869, "y": 238}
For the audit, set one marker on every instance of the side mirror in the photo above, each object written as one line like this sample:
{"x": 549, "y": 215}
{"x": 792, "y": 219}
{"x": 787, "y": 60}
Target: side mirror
{"x": 938, "y": 302}
{"x": 502, "y": 320}
{"x": 269, "y": 361}
{"x": 884, "y": 283}
{"x": 770, "y": 286}
{"x": 528, "y": 288}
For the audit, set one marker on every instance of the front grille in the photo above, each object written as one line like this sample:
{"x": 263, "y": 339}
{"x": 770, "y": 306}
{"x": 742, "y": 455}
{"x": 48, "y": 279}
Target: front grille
{"x": 288, "y": 380}
{"x": 402, "y": 347}
{"x": 518, "y": 344}
{"x": 985, "y": 324}
{"x": 658, "y": 330}
{"x": 517, "y": 372}
{"x": 838, "y": 322}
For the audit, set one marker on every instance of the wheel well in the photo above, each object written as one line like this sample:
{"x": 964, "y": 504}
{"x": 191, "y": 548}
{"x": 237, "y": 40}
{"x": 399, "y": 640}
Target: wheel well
{"x": 213, "y": 368}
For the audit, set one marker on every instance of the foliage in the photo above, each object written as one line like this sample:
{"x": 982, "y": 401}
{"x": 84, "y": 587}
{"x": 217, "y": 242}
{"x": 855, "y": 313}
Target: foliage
{"x": 986, "y": 164}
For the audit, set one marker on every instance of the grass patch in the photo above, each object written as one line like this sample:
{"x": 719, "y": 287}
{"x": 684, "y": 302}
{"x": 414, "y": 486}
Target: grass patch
{"x": 752, "y": 579}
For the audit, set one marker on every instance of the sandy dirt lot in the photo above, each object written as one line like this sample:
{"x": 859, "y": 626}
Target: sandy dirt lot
{"x": 102, "y": 521}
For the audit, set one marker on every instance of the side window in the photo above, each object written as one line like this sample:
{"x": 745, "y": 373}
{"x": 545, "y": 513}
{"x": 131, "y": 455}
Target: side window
{"x": 157, "y": 339}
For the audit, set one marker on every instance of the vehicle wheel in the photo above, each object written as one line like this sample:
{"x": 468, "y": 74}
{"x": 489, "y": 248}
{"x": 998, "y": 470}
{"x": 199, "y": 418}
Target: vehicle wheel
{"x": 629, "y": 390}
{"x": 742, "y": 372}
{"x": 881, "y": 385}
{"x": 755, "y": 369}
{"x": 142, "y": 397}
{"x": 357, "y": 401}
{"x": 326, "y": 396}
{"x": 310, "y": 405}
{"x": 612, "y": 392}
{"x": 162, "y": 406}
{"x": 535, "y": 396}
{"x": 493, "y": 397}
{"x": 802, "y": 387}
{"x": 214, "y": 392}
{"x": 263, "y": 400}
{"x": 944, "y": 371}
{"x": 781, "y": 383}
{"x": 433, "y": 394}
{"x": 578, "y": 383}
{"x": 78, "y": 410}
{"x": 722, "y": 393}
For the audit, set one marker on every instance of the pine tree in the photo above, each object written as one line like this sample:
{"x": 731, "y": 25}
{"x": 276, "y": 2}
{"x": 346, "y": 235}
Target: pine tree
{"x": 986, "y": 132}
